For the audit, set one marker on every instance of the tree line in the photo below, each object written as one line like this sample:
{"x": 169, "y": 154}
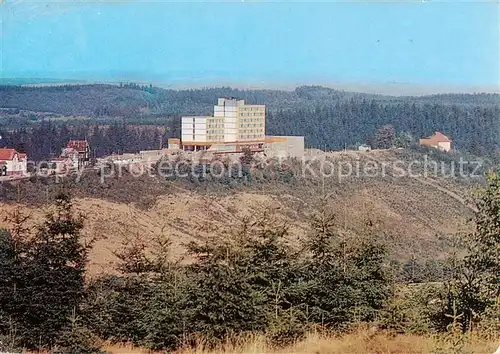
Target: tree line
{"x": 45, "y": 140}
{"x": 327, "y": 118}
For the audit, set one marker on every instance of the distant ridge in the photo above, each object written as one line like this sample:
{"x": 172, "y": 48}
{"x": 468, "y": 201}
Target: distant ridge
{"x": 6, "y": 81}
{"x": 182, "y": 81}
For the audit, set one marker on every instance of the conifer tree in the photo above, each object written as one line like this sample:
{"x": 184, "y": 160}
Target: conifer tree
{"x": 347, "y": 278}
{"x": 475, "y": 289}
{"x": 222, "y": 301}
{"x": 14, "y": 245}
{"x": 54, "y": 275}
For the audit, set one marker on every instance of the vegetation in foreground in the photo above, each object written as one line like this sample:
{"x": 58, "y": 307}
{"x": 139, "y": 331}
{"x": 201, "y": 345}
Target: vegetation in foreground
{"x": 249, "y": 282}
{"x": 361, "y": 340}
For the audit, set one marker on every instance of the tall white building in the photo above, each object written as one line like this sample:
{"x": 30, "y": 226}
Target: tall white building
{"x": 194, "y": 129}
{"x": 233, "y": 125}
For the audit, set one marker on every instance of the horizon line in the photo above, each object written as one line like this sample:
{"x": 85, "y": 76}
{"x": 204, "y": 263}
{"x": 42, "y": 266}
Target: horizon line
{"x": 391, "y": 88}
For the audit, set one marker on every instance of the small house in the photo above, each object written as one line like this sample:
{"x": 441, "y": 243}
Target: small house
{"x": 78, "y": 151}
{"x": 437, "y": 141}
{"x": 13, "y": 163}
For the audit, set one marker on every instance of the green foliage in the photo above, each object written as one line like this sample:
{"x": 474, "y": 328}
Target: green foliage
{"x": 42, "y": 276}
{"x": 248, "y": 279}
{"x": 138, "y": 309}
{"x": 247, "y": 283}
{"x": 484, "y": 243}
{"x": 223, "y": 302}
{"x": 13, "y": 246}
{"x": 415, "y": 271}
{"x": 223, "y": 297}
{"x": 11, "y": 270}
{"x": 75, "y": 338}
{"x": 56, "y": 272}
{"x": 146, "y": 305}
{"x": 115, "y": 306}
{"x": 403, "y": 140}
{"x": 165, "y": 318}
{"x": 413, "y": 309}
{"x": 384, "y": 137}
{"x": 132, "y": 257}
{"x": 347, "y": 278}
{"x": 287, "y": 327}
{"x": 474, "y": 289}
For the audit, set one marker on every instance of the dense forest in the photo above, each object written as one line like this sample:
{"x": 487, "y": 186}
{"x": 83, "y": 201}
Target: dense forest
{"x": 327, "y": 118}
{"x": 46, "y": 139}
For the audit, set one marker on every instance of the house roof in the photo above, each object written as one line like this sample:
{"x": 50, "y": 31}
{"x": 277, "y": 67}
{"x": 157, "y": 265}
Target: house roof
{"x": 78, "y": 145}
{"x": 439, "y": 137}
{"x": 8, "y": 154}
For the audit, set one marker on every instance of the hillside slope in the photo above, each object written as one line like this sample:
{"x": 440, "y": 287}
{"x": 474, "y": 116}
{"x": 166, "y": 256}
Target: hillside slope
{"x": 75, "y": 100}
{"x": 415, "y": 217}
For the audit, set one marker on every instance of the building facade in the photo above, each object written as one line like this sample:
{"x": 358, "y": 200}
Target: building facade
{"x": 438, "y": 141}
{"x": 13, "y": 163}
{"x": 234, "y": 124}
{"x": 78, "y": 151}
{"x": 364, "y": 148}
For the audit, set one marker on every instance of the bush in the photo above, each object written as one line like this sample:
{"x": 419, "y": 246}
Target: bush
{"x": 286, "y": 328}
{"x": 414, "y": 309}
{"x": 76, "y": 339}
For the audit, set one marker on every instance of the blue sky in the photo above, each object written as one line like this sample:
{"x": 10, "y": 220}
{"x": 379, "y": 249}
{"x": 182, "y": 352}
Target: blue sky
{"x": 431, "y": 43}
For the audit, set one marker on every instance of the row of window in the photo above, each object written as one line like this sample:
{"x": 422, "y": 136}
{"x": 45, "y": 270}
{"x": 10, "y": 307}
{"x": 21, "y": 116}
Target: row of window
{"x": 250, "y": 131}
{"x": 253, "y": 125}
{"x": 251, "y": 108}
{"x": 251, "y": 119}
{"x": 215, "y": 138}
{"x": 250, "y": 136}
{"x": 252, "y": 114}
{"x": 244, "y": 120}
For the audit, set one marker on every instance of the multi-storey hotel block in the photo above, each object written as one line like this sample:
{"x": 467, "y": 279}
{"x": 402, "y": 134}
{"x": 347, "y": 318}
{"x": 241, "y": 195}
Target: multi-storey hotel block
{"x": 233, "y": 124}
{"x": 233, "y": 127}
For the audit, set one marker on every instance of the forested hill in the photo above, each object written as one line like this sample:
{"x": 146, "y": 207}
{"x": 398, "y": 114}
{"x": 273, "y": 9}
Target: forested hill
{"x": 326, "y": 117}
{"x": 127, "y": 99}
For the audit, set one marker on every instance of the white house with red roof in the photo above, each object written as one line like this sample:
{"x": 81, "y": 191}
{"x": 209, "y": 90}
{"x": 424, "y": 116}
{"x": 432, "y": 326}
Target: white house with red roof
{"x": 13, "y": 163}
{"x": 438, "y": 141}
{"x": 71, "y": 157}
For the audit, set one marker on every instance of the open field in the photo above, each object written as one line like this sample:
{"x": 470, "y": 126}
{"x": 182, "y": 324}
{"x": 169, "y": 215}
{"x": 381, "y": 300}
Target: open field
{"x": 361, "y": 341}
